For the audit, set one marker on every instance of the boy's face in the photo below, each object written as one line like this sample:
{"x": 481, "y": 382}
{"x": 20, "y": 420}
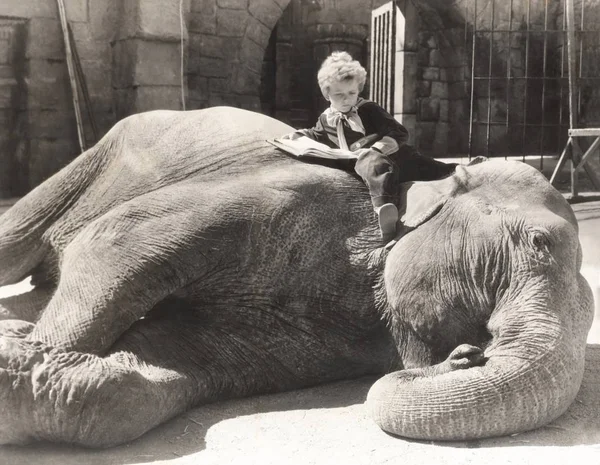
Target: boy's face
{"x": 343, "y": 94}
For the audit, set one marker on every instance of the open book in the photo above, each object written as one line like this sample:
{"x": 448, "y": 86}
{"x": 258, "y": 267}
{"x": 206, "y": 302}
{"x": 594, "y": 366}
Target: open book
{"x": 306, "y": 147}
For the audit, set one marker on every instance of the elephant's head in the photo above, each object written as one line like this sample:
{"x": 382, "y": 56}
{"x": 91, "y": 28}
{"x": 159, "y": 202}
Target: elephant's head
{"x": 491, "y": 258}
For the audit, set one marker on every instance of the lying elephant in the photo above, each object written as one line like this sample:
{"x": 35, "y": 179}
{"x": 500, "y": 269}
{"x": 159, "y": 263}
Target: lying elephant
{"x": 183, "y": 260}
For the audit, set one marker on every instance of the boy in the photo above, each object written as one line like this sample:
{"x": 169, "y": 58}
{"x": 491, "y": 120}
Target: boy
{"x": 350, "y": 121}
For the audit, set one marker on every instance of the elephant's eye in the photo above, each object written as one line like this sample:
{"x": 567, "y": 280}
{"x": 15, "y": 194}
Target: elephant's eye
{"x": 540, "y": 241}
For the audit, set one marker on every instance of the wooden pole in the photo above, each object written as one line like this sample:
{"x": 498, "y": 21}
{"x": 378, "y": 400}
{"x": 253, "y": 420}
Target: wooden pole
{"x": 70, "y": 67}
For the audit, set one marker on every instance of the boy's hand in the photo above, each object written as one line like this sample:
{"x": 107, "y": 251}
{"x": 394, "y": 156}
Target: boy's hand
{"x": 292, "y": 136}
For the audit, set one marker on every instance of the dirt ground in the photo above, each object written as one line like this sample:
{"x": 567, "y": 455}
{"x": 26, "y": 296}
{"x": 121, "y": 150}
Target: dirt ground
{"x": 329, "y": 425}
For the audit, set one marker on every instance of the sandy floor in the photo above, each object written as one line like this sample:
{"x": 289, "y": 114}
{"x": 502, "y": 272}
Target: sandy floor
{"x": 328, "y": 424}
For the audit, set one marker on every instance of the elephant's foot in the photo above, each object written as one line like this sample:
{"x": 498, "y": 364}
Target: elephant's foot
{"x": 18, "y": 362}
{"x": 71, "y": 397}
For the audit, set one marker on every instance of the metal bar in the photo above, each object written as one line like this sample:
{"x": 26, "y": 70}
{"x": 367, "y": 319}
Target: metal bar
{"x": 575, "y": 152}
{"x": 561, "y": 161}
{"x": 489, "y": 87}
{"x": 592, "y": 148}
{"x": 471, "y": 111}
{"x": 562, "y": 67}
{"x": 509, "y": 70}
{"x": 527, "y": 32}
{"x": 372, "y": 58}
{"x": 378, "y": 67}
{"x": 570, "y": 13}
{"x": 386, "y": 59}
{"x": 544, "y": 67}
{"x": 536, "y": 78}
{"x": 388, "y": 62}
{"x": 393, "y": 58}
{"x": 377, "y": 48}
{"x": 579, "y": 132}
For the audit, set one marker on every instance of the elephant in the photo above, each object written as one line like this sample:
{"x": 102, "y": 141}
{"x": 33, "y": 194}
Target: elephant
{"x": 184, "y": 260}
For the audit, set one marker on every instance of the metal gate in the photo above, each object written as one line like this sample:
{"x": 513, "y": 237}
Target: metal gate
{"x": 383, "y": 54}
{"x": 519, "y": 98}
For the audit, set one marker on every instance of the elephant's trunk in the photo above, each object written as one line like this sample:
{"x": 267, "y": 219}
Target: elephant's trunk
{"x": 533, "y": 371}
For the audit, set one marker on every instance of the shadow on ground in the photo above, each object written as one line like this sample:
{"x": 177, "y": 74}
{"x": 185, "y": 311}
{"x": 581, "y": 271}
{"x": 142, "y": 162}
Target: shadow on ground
{"x": 290, "y": 425}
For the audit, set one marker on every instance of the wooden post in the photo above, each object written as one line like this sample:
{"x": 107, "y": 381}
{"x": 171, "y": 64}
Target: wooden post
{"x": 71, "y": 69}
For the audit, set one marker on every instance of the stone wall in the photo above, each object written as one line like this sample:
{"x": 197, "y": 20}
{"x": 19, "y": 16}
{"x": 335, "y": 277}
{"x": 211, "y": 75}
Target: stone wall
{"x": 228, "y": 39}
{"x": 263, "y": 55}
{"x": 40, "y": 112}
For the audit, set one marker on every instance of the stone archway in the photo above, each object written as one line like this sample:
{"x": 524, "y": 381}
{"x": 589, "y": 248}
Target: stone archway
{"x": 227, "y": 43}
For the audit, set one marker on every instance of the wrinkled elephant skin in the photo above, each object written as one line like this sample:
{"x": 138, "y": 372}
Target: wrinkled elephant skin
{"x": 184, "y": 260}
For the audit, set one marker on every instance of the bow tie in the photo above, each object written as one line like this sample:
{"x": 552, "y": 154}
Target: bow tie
{"x": 354, "y": 121}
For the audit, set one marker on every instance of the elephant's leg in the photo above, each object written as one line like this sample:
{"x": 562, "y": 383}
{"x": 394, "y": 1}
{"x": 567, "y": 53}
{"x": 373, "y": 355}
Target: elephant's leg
{"x": 120, "y": 266}
{"x": 157, "y": 370}
{"x": 27, "y": 306}
{"x": 49, "y": 394}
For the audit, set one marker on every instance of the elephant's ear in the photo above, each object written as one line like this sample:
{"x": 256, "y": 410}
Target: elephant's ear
{"x": 421, "y": 200}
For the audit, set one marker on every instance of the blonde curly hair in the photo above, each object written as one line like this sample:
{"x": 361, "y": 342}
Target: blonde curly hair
{"x": 340, "y": 66}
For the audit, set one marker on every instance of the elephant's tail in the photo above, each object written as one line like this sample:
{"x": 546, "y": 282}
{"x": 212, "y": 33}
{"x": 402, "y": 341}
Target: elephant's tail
{"x": 22, "y": 227}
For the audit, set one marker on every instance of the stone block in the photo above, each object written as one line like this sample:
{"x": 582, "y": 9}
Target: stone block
{"x": 249, "y": 102}
{"x": 425, "y": 136}
{"x": 406, "y": 82}
{"x": 209, "y": 45}
{"x": 197, "y": 87}
{"x": 258, "y": 32}
{"x": 46, "y": 94}
{"x": 77, "y": 10}
{"x": 204, "y": 7}
{"x": 245, "y": 81}
{"x": 423, "y": 88}
{"x": 215, "y": 100}
{"x": 423, "y": 57}
{"x": 48, "y": 156}
{"x": 440, "y": 141}
{"x": 431, "y": 74}
{"x": 218, "y": 85}
{"x": 458, "y": 110}
{"x": 52, "y": 123}
{"x": 104, "y": 19}
{"x": 439, "y": 89}
{"x": 204, "y": 24}
{"x": 457, "y": 90}
{"x": 44, "y": 39}
{"x": 151, "y": 19}
{"x": 94, "y": 50}
{"x": 251, "y": 55}
{"x": 8, "y": 91}
{"x": 233, "y": 4}
{"x": 147, "y": 98}
{"x": 231, "y": 23}
{"x": 429, "y": 109}
{"x": 209, "y": 67}
{"x": 409, "y": 121}
{"x": 267, "y": 13}
{"x": 435, "y": 58}
{"x": 444, "y": 109}
{"x": 146, "y": 62}
{"x": 98, "y": 78}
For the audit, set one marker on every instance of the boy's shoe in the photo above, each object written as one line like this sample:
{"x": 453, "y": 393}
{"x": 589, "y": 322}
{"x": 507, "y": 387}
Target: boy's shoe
{"x": 388, "y": 218}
